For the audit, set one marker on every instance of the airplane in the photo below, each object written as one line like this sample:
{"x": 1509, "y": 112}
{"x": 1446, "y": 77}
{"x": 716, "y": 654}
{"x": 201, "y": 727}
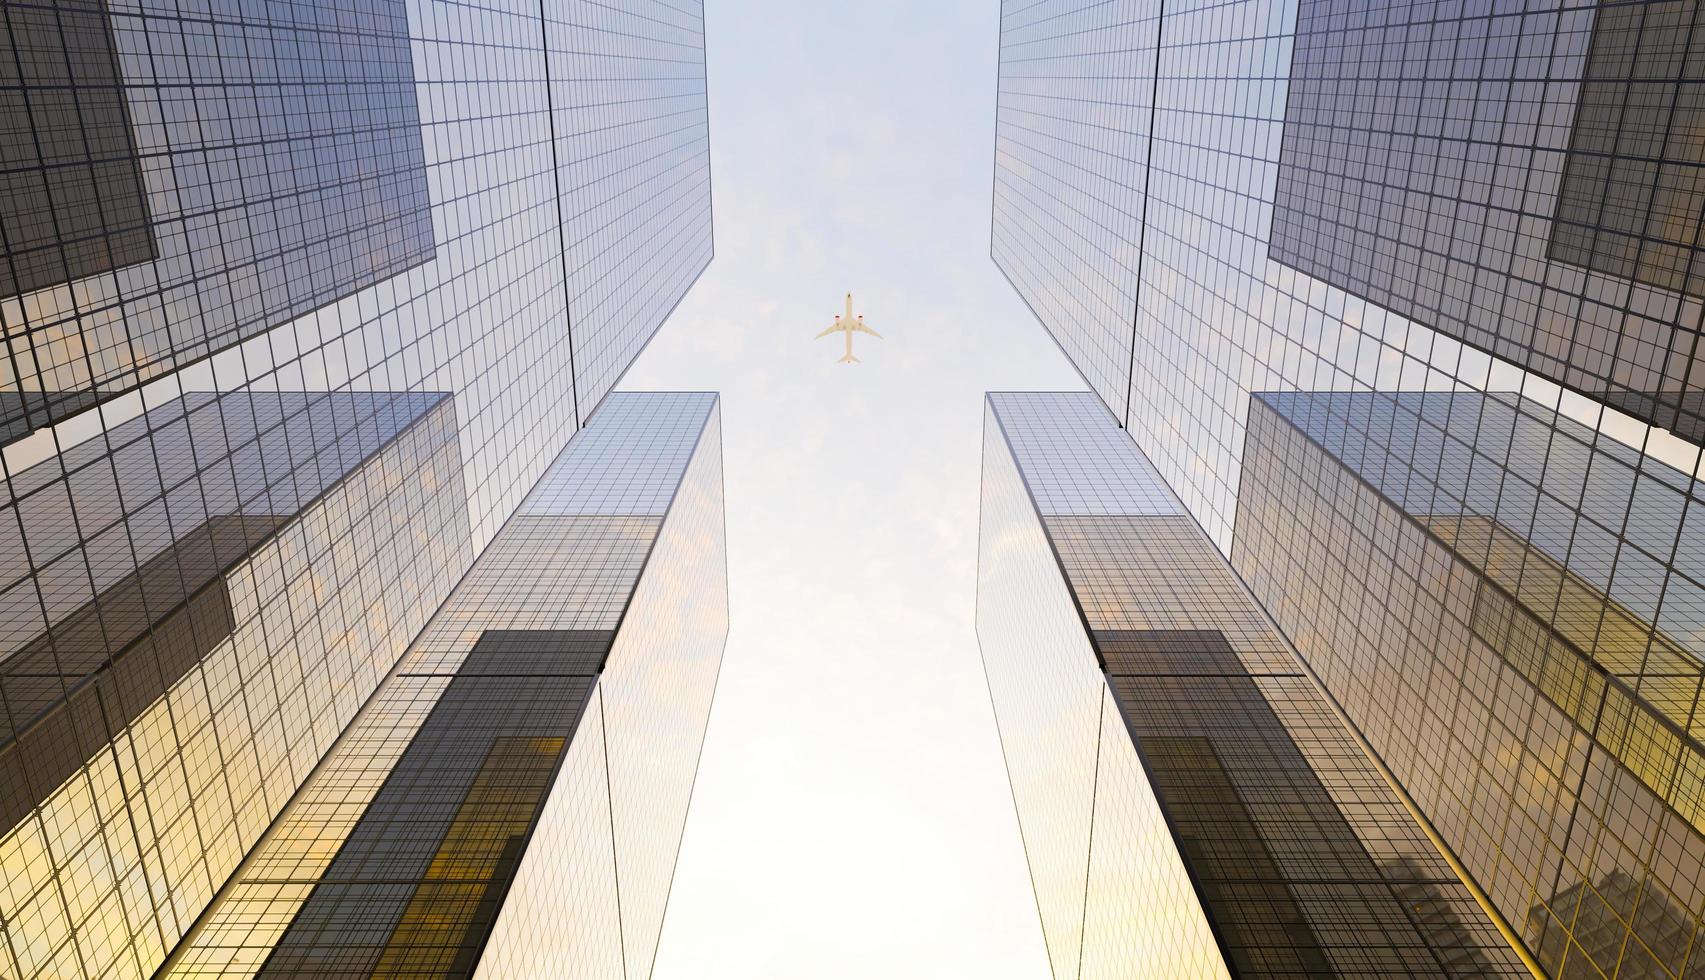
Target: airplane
{"x": 849, "y": 326}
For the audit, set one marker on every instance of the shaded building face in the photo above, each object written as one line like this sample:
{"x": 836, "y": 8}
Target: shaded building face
{"x": 75, "y": 204}
{"x": 259, "y": 163}
{"x": 511, "y": 800}
{"x": 1527, "y": 181}
{"x": 1284, "y": 195}
{"x": 1535, "y": 679}
{"x": 1191, "y": 803}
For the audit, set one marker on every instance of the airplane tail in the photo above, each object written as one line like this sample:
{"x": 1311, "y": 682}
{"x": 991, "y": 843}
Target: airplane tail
{"x": 849, "y": 359}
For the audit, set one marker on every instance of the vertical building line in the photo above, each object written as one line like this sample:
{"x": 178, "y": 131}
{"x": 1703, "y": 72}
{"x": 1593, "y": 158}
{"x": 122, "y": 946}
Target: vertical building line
{"x": 1094, "y": 804}
{"x": 704, "y": 79}
{"x": 561, "y": 237}
{"x": 610, "y": 804}
{"x": 995, "y": 155}
{"x": 1166, "y": 816}
{"x": 994, "y": 708}
{"x": 1143, "y": 226}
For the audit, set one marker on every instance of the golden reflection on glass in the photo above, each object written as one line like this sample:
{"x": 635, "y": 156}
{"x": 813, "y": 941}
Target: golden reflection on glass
{"x": 570, "y": 559}
{"x": 1543, "y": 767}
{"x": 142, "y": 836}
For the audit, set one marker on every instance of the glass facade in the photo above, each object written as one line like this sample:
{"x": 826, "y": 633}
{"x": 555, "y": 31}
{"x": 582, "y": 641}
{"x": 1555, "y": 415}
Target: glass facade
{"x": 1072, "y": 149}
{"x": 178, "y": 182}
{"x": 157, "y": 717}
{"x": 1526, "y": 180}
{"x": 1278, "y": 845}
{"x": 462, "y": 826}
{"x": 1114, "y": 896}
{"x": 1413, "y": 336}
{"x": 220, "y": 174}
{"x": 1536, "y": 680}
{"x": 630, "y": 149}
{"x": 73, "y": 186}
{"x": 300, "y": 299}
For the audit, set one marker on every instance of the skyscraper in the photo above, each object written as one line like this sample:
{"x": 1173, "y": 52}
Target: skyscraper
{"x": 510, "y": 801}
{"x": 300, "y": 301}
{"x": 1190, "y": 803}
{"x": 1400, "y": 301}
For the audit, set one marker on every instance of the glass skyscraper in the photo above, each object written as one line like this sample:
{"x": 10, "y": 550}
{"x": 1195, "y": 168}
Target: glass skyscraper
{"x": 1402, "y": 302}
{"x": 1190, "y": 803}
{"x": 300, "y": 300}
{"x": 510, "y": 801}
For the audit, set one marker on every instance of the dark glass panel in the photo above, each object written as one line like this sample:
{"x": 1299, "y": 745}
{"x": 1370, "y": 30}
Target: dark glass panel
{"x": 72, "y": 202}
{"x": 416, "y": 887}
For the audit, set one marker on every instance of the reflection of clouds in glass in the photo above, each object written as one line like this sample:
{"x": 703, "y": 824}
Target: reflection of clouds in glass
{"x": 628, "y": 460}
{"x": 1074, "y": 461}
{"x": 1048, "y": 703}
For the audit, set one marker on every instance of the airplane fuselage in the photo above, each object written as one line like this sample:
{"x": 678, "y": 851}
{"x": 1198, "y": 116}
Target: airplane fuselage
{"x": 848, "y": 325}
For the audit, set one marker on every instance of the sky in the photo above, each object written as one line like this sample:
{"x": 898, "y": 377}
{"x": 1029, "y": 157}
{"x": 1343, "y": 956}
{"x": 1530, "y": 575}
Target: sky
{"x": 851, "y": 816}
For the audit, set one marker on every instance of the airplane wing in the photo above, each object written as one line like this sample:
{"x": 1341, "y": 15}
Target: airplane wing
{"x": 836, "y": 328}
{"x": 861, "y": 328}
